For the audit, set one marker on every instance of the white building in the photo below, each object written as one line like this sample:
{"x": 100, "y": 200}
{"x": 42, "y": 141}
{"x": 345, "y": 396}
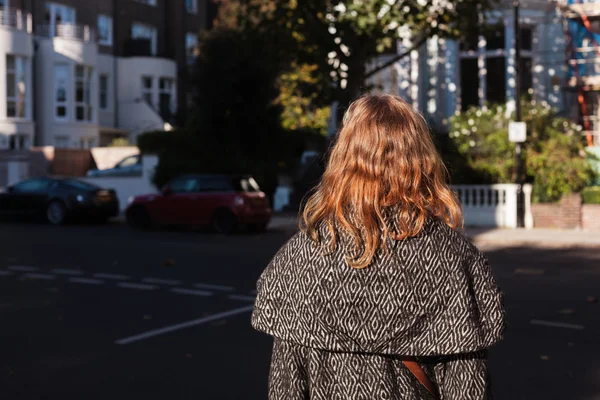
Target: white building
{"x": 445, "y": 76}
{"x": 79, "y": 85}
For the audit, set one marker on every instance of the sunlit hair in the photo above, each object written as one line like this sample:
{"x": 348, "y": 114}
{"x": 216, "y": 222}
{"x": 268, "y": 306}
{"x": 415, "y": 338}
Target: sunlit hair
{"x": 384, "y": 179}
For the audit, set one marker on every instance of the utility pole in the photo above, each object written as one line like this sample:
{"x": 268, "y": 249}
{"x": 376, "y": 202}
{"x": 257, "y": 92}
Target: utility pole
{"x": 520, "y": 197}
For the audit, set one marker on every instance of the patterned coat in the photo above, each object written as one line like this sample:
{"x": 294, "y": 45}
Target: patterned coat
{"x": 340, "y": 333}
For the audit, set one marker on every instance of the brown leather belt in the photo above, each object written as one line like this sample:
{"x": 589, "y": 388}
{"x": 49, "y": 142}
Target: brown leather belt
{"x": 417, "y": 371}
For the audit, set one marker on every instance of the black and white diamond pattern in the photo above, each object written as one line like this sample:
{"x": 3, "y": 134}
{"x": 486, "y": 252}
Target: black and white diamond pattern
{"x": 340, "y": 331}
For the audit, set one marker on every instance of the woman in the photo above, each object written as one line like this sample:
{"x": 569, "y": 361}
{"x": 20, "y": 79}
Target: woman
{"x": 378, "y": 296}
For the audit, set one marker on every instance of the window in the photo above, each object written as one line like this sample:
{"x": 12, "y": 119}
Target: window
{"x": 191, "y": 47}
{"x": 62, "y": 141}
{"x": 83, "y": 104}
{"x": 148, "y": 89}
{"x": 105, "y": 30}
{"x": 61, "y": 91}
{"x": 494, "y": 37}
{"x": 33, "y": 185}
{"x": 215, "y": 184}
{"x": 148, "y": 2}
{"x": 469, "y": 82}
{"x": 496, "y": 80}
{"x": 141, "y": 31}
{"x": 184, "y": 185}
{"x": 87, "y": 142}
{"x": 130, "y": 161}
{"x": 191, "y": 6}
{"x": 526, "y": 38}
{"x": 19, "y": 142}
{"x": 103, "y": 80}
{"x": 165, "y": 95}
{"x": 57, "y": 15}
{"x": 15, "y": 86}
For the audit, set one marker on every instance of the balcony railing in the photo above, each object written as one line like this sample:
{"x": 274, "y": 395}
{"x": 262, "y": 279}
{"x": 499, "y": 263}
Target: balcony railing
{"x": 68, "y": 31}
{"x": 16, "y": 19}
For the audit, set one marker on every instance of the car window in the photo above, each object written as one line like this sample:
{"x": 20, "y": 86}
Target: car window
{"x": 129, "y": 162}
{"x": 184, "y": 185}
{"x": 215, "y": 184}
{"x": 32, "y": 186}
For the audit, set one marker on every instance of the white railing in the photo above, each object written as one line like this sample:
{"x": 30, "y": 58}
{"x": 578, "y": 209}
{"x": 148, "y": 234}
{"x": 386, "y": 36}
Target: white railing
{"x": 16, "y": 19}
{"x": 493, "y": 205}
{"x": 68, "y": 31}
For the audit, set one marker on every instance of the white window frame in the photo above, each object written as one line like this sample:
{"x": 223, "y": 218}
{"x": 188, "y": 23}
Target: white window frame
{"x": 152, "y": 34}
{"x": 108, "y": 41}
{"x": 86, "y": 103}
{"x": 191, "y": 41}
{"x": 148, "y": 93}
{"x": 20, "y": 79}
{"x": 56, "y": 9}
{"x": 191, "y": 6}
{"x": 65, "y": 103}
{"x": 105, "y": 91}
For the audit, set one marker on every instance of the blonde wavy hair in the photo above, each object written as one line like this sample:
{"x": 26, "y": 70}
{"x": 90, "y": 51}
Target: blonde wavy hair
{"x": 384, "y": 164}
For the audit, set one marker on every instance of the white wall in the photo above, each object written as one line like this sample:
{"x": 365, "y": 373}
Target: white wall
{"x": 72, "y": 52}
{"x": 17, "y": 42}
{"x": 106, "y": 66}
{"x": 128, "y": 186}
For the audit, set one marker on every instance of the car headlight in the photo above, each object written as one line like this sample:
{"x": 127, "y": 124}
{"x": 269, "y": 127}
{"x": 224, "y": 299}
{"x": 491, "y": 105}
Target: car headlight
{"x": 80, "y": 198}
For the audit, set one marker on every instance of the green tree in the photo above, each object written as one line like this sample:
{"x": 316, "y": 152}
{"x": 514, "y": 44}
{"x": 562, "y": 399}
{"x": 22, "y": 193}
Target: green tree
{"x": 555, "y": 157}
{"x": 340, "y": 37}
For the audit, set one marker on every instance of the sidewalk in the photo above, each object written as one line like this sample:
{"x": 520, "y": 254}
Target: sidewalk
{"x": 550, "y": 238}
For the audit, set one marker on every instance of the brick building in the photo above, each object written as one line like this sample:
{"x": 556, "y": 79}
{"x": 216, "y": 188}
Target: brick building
{"x": 82, "y": 73}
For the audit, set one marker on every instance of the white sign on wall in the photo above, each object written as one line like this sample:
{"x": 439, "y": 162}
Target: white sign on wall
{"x": 517, "y": 131}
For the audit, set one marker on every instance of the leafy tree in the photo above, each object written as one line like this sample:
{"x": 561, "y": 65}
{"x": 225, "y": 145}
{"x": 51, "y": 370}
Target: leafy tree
{"x": 555, "y": 157}
{"x": 340, "y": 37}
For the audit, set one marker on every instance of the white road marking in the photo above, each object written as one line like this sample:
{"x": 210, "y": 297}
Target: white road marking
{"x": 214, "y": 287}
{"x": 66, "y": 271}
{"x": 139, "y": 286}
{"x": 183, "y": 325}
{"x": 22, "y": 268}
{"x": 241, "y": 297}
{"x": 117, "y": 277}
{"x": 86, "y": 281}
{"x": 159, "y": 281}
{"x": 33, "y": 275}
{"x": 556, "y": 324}
{"x": 192, "y": 292}
{"x": 5, "y": 273}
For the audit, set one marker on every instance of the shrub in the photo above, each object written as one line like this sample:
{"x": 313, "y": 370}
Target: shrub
{"x": 591, "y": 195}
{"x": 555, "y": 157}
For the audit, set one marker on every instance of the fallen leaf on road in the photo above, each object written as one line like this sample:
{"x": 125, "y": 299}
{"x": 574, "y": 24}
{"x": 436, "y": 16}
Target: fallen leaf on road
{"x": 148, "y": 316}
{"x": 115, "y": 262}
{"x": 544, "y": 357}
{"x": 566, "y": 311}
{"x": 219, "y": 322}
{"x": 570, "y": 344}
{"x": 529, "y": 271}
{"x": 169, "y": 262}
{"x": 52, "y": 289}
{"x": 592, "y": 299}
{"x": 188, "y": 355}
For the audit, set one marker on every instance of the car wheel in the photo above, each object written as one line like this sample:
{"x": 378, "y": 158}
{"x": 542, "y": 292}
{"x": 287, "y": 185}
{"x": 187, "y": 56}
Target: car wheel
{"x": 56, "y": 212}
{"x": 224, "y": 221}
{"x": 138, "y": 218}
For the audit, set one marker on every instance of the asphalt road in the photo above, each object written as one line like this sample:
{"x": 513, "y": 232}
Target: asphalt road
{"x": 98, "y": 312}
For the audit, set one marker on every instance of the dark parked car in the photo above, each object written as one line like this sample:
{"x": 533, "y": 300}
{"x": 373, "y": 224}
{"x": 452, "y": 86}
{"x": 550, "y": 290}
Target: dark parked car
{"x": 221, "y": 201}
{"x": 129, "y": 166}
{"x": 58, "y": 200}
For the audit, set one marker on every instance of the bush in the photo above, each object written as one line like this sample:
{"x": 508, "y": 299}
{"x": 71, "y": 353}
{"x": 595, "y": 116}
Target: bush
{"x": 555, "y": 157}
{"x": 591, "y": 195}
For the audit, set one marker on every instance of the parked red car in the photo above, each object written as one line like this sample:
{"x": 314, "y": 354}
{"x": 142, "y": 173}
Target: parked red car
{"x": 221, "y": 201}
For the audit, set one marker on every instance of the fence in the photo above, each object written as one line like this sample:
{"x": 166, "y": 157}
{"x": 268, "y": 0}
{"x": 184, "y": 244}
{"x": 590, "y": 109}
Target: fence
{"x": 493, "y": 205}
